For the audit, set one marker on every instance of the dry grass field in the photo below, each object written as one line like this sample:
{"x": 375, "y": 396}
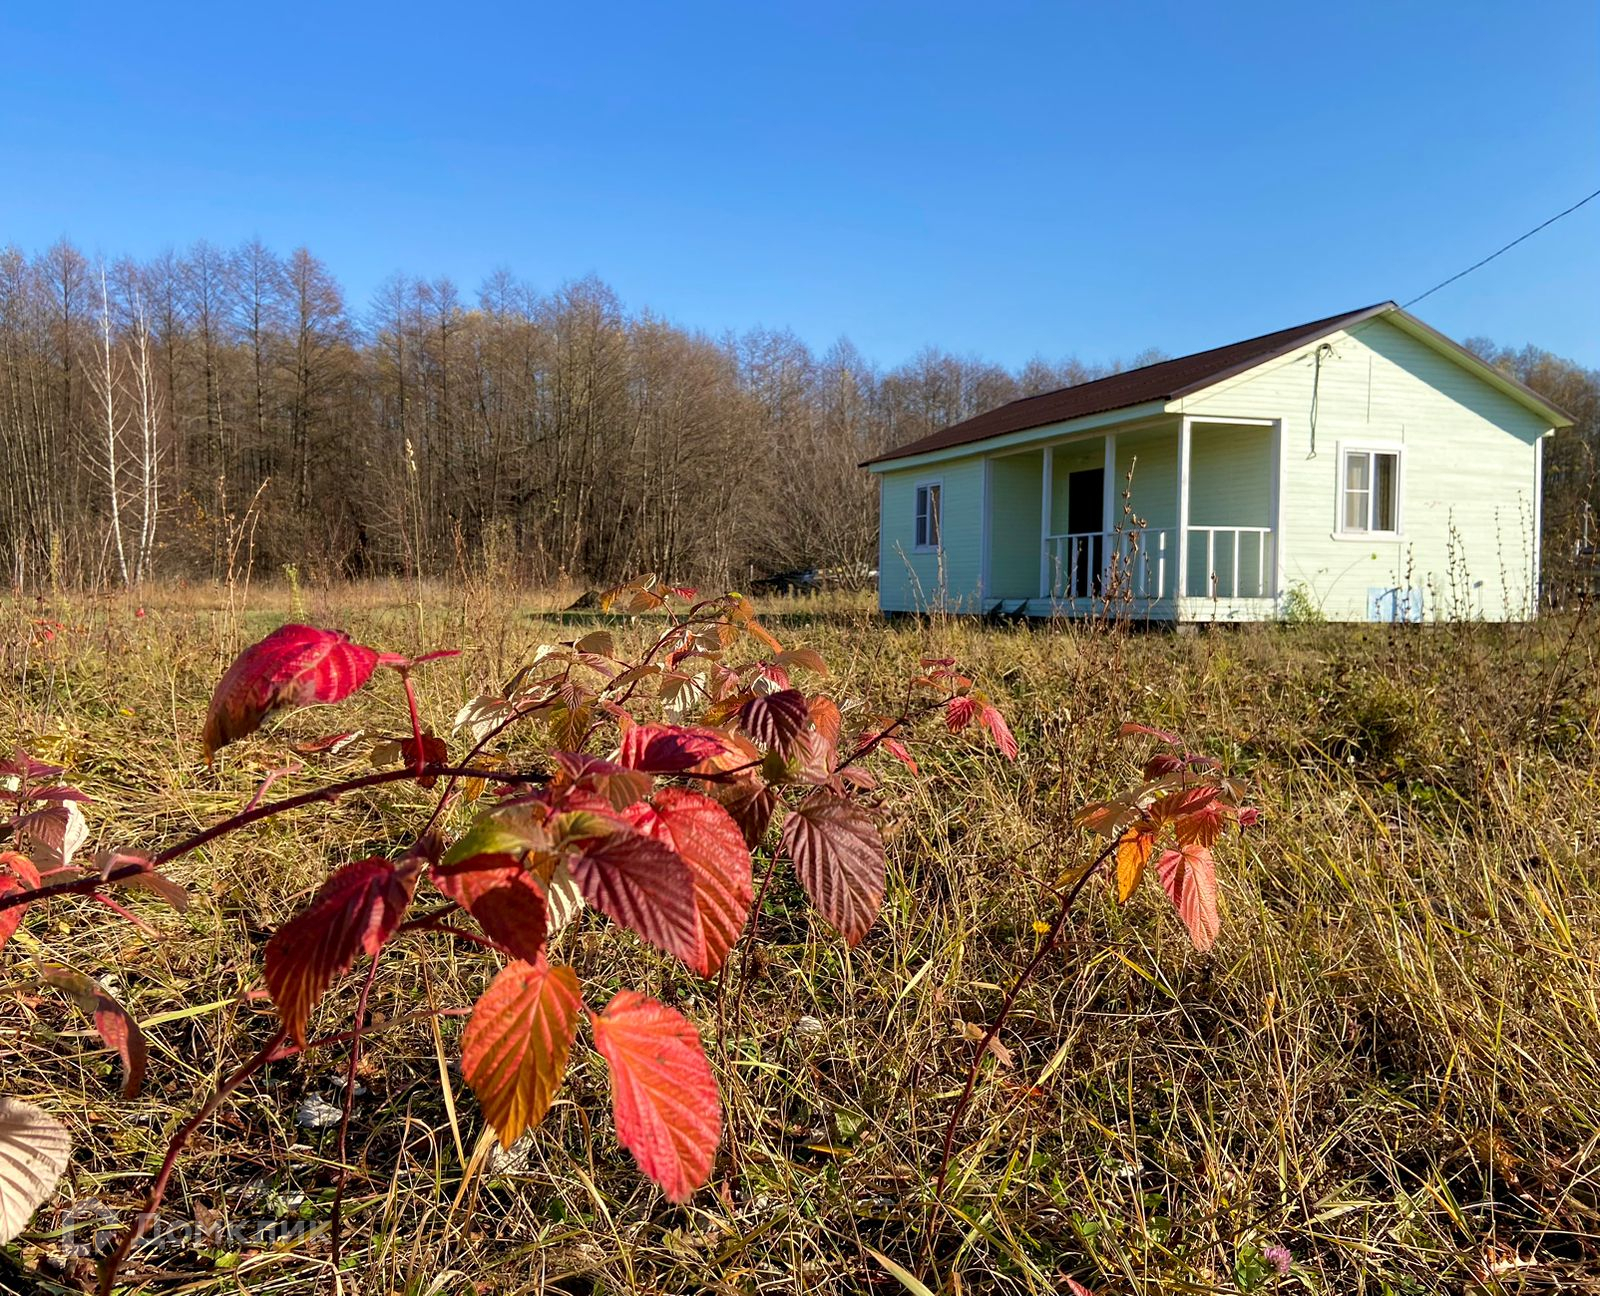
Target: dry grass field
{"x": 1389, "y": 1067}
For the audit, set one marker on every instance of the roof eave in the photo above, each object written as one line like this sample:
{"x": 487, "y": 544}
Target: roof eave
{"x": 1021, "y": 437}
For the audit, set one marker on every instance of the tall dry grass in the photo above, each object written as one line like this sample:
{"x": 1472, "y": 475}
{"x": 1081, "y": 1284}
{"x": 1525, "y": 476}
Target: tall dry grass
{"x": 1390, "y": 1066}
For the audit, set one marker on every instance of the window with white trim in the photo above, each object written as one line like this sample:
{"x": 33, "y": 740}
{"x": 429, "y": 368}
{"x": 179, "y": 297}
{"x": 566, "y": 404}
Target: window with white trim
{"x": 927, "y": 527}
{"x": 1369, "y": 492}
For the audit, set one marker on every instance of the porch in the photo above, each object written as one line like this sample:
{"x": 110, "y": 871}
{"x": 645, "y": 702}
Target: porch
{"x": 1173, "y": 519}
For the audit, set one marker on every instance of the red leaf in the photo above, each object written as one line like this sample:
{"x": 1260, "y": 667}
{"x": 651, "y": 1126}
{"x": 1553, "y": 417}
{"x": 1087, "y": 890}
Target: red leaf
{"x": 293, "y": 666}
{"x": 995, "y": 723}
{"x": 1176, "y": 805}
{"x": 617, "y": 784}
{"x": 642, "y": 884}
{"x": 435, "y": 751}
{"x": 901, "y": 753}
{"x": 1249, "y": 816}
{"x": 1189, "y": 875}
{"x": 1203, "y": 824}
{"x": 776, "y": 720}
{"x": 514, "y": 1050}
{"x": 826, "y": 719}
{"x": 662, "y": 1092}
{"x": 708, "y": 840}
{"x": 959, "y": 712}
{"x": 356, "y": 911}
{"x": 17, "y": 873}
{"x": 503, "y": 897}
{"x": 112, "y": 1022}
{"x": 752, "y": 806}
{"x": 838, "y": 857}
{"x": 669, "y": 749}
{"x": 1161, "y": 764}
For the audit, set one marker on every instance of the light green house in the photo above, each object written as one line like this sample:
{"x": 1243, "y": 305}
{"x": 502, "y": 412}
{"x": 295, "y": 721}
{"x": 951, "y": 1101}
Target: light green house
{"x": 1362, "y": 465}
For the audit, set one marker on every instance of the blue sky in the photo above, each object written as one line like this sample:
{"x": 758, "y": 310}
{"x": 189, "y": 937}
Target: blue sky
{"x": 1000, "y": 179}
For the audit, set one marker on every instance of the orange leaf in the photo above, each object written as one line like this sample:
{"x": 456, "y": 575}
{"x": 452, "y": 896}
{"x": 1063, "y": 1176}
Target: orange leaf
{"x": 662, "y": 1092}
{"x": 1189, "y": 875}
{"x": 1134, "y": 848}
{"x": 707, "y": 839}
{"x": 356, "y": 911}
{"x": 514, "y": 1050}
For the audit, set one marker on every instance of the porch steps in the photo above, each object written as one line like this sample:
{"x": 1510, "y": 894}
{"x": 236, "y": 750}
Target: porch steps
{"x": 1001, "y": 610}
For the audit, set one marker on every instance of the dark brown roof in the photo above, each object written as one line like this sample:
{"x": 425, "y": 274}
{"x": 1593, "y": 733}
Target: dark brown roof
{"x": 1164, "y": 381}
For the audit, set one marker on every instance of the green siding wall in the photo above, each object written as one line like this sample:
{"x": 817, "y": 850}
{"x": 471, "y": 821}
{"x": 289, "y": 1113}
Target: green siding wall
{"x": 917, "y": 582}
{"x": 1014, "y": 542}
{"x": 1467, "y": 490}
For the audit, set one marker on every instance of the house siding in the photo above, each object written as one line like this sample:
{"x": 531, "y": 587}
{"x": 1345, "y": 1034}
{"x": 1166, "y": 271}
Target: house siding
{"x": 1015, "y": 504}
{"x": 1468, "y": 475}
{"x": 909, "y": 581}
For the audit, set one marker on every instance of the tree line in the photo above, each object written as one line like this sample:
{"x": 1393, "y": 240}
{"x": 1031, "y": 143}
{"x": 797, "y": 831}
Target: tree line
{"x": 214, "y": 410}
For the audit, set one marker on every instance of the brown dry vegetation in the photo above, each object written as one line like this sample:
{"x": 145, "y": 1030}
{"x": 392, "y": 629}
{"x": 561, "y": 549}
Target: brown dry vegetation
{"x": 1390, "y": 1065}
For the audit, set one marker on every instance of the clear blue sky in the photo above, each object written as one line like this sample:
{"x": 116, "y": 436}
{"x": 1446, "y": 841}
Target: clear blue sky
{"x": 996, "y": 178}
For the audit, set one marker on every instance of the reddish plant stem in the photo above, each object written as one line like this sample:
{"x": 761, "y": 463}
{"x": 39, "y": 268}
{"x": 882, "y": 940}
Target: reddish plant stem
{"x": 750, "y": 933}
{"x": 337, "y": 1215}
{"x": 419, "y": 758}
{"x": 146, "y": 1217}
{"x": 1046, "y": 945}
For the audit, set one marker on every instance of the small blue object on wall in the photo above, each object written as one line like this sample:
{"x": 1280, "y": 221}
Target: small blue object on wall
{"x": 1395, "y": 604}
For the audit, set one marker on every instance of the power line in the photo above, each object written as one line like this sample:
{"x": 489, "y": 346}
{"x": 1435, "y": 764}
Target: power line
{"x": 1479, "y": 264}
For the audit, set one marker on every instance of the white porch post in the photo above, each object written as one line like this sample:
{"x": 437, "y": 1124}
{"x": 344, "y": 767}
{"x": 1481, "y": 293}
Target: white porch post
{"x": 1275, "y": 590}
{"x": 1048, "y": 486}
{"x": 1538, "y": 520}
{"x": 1181, "y": 589}
{"x": 1108, "y": 509}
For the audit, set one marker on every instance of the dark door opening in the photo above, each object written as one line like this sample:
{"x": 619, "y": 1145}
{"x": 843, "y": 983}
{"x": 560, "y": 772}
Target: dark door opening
{"x": 1086, "y": 519}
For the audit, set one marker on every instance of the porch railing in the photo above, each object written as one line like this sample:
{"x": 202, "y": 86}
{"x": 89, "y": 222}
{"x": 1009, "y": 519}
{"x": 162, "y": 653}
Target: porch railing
{"x": 1097, "y": 564}
{"x": 1223, "y": 562}
{"x": 1240, "y": 562}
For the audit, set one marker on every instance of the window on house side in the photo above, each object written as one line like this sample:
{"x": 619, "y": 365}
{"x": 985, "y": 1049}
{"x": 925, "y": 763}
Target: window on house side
{"x": 1370, "y": 491}
{"x": 927, "y": 529}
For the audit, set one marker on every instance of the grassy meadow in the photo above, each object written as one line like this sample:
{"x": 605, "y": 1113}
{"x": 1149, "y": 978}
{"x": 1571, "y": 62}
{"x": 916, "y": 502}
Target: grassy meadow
{"x": 1389, "y": 1067}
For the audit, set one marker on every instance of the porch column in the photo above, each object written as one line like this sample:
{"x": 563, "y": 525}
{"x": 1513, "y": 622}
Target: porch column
{"x": 1046, "y": 492}
{"x": 1275, "y": 590}
{"x": 1108, "y": 511}
{"x": 1181, "y": 589}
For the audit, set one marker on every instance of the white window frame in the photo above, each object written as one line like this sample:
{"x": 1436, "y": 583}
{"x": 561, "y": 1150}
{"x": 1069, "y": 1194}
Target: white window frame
{"x": 1368, "y": 450}
{"x": 917, "y": 515}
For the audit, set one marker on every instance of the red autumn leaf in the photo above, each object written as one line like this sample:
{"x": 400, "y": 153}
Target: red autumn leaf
{"x": 504, "y": 898}
{"x": 356, "y": 911}
{"x": 642, "y": 884}
{"x": 1000, "y": 731}
{"x": 838, "y": 857}
{"x": 514, "y": 1050}
{"x": 708, "y": 840}
{"x": 1189, "y": 875}
{"x": 662, "y": 1092}
{"x": 1176, "y": 805}
{"x": 1130, "y": 729}
{"x": 1249, "y": 817}
{"x": 293, "y": 666}
{"x": 22, "y": 766}
{"x": 901, "y": 753}
{"x": 112, "y": 1022}
{"x": 776, "y": 719}
{"x": 752, "y": 805}
{"x": 17, "y": 873}
{"x": 669, "y": 749}
{"x": 1107, "y": 818}
{"x": 959, "y": 712}
{"x": 617, "y": 784}
{"x": 826, "y": 719}
{"x": 1204, "y": 824}
{"x": 1162, "y": 764}
{"x": 435, "y": 751}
